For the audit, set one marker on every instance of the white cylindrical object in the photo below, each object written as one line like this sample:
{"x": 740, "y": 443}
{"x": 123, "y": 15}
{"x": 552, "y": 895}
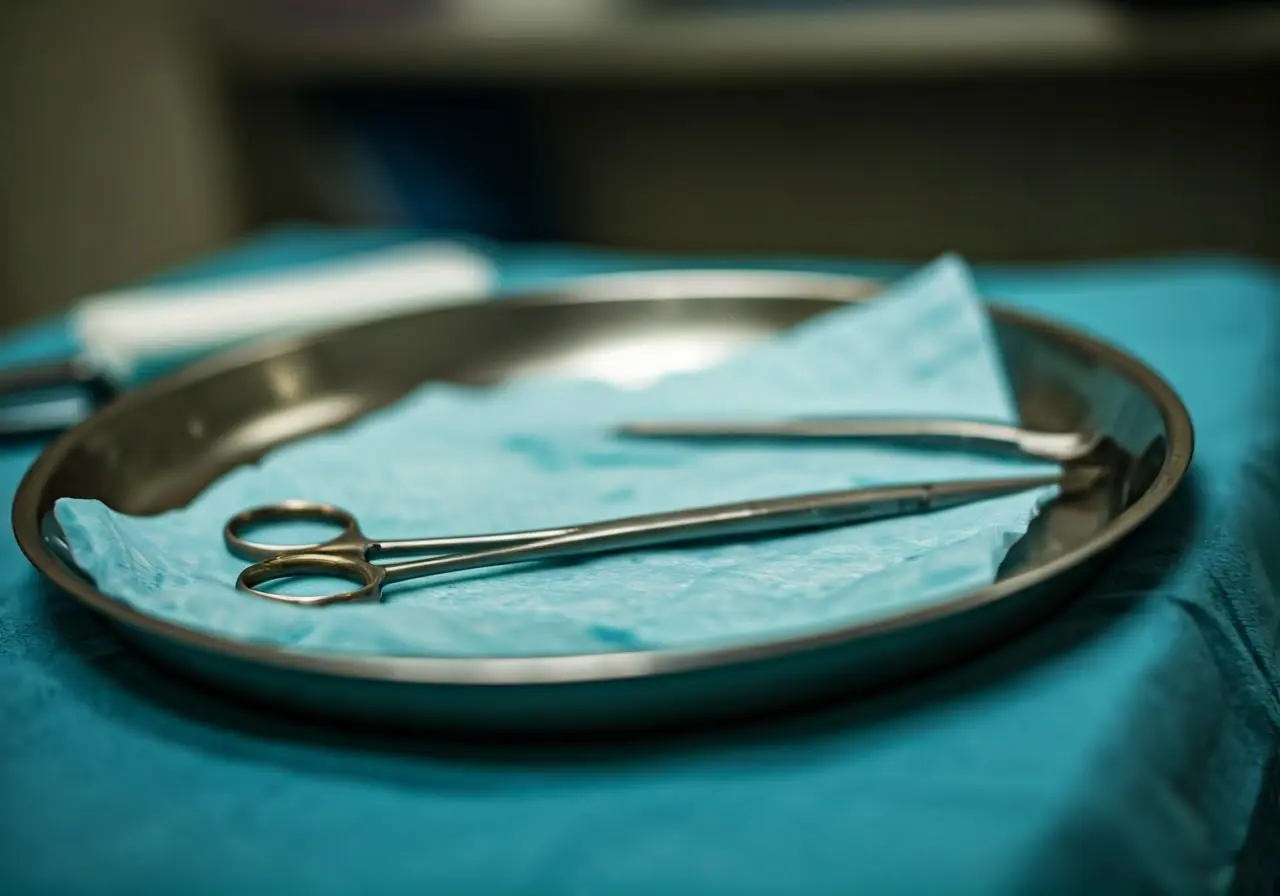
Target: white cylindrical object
{"x": 119, "y": 331}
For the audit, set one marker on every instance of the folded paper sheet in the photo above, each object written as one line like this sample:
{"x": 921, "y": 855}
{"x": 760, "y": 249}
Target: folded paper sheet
{"x": 537, "y": 452}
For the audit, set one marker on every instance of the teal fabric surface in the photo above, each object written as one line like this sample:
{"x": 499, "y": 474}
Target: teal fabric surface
{"x": 539, "y": 453}
{"x": 1121, "y": 748}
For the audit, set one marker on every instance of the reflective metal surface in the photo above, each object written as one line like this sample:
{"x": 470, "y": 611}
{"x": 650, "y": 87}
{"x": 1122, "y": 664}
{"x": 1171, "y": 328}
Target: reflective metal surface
{"x": 156, "y": 448}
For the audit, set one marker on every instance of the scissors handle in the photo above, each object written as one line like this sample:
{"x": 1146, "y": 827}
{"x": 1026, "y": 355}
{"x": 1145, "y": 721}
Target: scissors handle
{"x": 350, "y": 539}
{"x": 235, "y": 532}
{"x": 969, "y": 435}
{"x": 794, "y": 512}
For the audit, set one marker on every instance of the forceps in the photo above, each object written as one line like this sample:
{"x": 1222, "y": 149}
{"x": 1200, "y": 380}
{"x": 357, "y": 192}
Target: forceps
{"x": 982, "y": 436}
{"x": 349, "y": 555}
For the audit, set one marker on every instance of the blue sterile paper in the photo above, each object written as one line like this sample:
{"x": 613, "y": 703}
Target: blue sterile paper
{"x": 538, "y": 452}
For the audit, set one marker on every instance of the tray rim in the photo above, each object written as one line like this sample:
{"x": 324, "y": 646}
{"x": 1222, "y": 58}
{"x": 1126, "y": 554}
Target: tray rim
{"x": 514, "y": 672}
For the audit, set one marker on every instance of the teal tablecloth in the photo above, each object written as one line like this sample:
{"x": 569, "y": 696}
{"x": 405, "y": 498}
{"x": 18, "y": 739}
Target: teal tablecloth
{"x": 1126, "y": 747}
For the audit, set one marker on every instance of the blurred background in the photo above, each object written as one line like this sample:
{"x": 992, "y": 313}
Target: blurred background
{"x": 139, "y": 134}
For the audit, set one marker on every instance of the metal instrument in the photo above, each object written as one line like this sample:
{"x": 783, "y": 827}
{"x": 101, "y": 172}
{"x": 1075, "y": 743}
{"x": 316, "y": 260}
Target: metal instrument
{"x": 964, "y": 435}
{"x": 350, "y": 555}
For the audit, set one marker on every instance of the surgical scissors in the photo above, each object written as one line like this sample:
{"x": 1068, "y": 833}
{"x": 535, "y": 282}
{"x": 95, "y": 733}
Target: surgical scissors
{"x": 349, "y": 555}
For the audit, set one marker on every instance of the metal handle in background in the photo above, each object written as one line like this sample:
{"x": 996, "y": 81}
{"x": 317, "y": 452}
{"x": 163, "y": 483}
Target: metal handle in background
{"x": 794, "y": 512}
{"x": 26, "y": 405}
{"x": 969, "y": 435}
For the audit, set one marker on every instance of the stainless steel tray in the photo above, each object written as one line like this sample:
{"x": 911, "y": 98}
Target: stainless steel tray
{"x": 158, "y": 447}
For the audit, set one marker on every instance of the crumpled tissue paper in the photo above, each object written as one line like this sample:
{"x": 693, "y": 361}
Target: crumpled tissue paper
{"x": 538, "y": 452}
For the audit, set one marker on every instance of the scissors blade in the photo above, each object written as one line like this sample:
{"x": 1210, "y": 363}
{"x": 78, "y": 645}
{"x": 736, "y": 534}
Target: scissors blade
{"x": 744, "y": 518}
